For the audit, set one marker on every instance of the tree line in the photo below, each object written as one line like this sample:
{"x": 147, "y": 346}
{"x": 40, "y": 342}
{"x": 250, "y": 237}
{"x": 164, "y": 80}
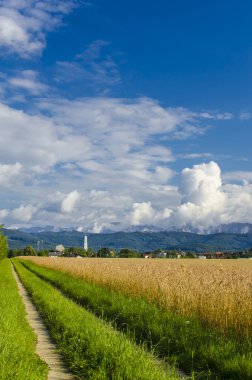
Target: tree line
{"x": 3, "y": 244}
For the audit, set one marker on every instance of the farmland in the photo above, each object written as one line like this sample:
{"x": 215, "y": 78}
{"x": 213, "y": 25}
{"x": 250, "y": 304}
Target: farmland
{"x": 196, "y": 314}
{"x": 91, "y": 348}
{"x": 218, "y": 292}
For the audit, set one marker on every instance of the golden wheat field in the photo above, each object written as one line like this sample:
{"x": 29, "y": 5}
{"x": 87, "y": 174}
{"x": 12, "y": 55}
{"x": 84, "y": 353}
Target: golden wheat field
{"x": 218, "y": 292}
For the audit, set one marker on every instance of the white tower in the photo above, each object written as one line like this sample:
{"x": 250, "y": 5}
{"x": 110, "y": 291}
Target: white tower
{"x": 85, "y": 243}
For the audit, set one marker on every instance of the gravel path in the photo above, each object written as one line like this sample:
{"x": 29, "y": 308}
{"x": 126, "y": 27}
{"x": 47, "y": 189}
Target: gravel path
{"x": 45, "y": 349}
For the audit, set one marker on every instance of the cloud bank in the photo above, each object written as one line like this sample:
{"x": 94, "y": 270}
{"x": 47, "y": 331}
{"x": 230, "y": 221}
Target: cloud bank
{"x": 115, "y": 154}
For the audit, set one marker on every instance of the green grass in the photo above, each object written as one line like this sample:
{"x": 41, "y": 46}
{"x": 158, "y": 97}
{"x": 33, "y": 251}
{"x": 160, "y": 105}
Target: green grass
{"x": 18, "y": 360}
{"x": 204, "y": 352}
{"x": 91, "y": 348}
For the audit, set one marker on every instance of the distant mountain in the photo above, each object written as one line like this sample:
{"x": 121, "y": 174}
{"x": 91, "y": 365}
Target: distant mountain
{"x": 143, "y": 228}
{"x": 232, "y": 228}
{"x": 142, "y": 241}
{"x": 46, "y": 229}
{"x": 34, "y": 230}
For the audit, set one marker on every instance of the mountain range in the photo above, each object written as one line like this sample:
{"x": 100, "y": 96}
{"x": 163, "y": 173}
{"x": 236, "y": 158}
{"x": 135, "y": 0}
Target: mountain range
{"x": 230, "y": 237}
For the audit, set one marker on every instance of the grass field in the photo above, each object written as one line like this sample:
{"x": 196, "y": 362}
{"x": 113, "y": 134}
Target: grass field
{"x": 91, "y": 348}
{"x": 18, "y": 360}
{"x": 204, "y": 350}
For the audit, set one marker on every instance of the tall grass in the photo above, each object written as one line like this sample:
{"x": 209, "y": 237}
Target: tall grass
{"x": 195, "y": 349}
{"x": 18, "y": 360}
{"x": 217, "y": 292}
{"x": 91, "y": 348}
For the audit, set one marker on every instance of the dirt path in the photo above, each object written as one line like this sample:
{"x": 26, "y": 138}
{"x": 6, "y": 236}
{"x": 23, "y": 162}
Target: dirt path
{"x": 45, "y": 349}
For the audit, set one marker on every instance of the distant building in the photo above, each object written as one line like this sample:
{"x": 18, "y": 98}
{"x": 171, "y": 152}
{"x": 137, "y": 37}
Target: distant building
{"x": 162, "y": 255}
{"x": 202, "y": 257}
{"x": 54, "y": 254}
{"x": 60, "y": 248}
{"x": 147, "y": 255}
{"x": 85, "y": 243}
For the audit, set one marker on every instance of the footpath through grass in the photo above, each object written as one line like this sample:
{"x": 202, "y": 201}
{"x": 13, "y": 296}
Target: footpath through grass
{"x": 91, "y": 348}
{"x": 203, "y": 353}
{"x": 18, "y": 360}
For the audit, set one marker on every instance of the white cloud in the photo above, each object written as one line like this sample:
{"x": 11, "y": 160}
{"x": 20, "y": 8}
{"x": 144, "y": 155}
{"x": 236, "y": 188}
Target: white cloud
{"x": 8, "y": 173}
{"x": 142, "y": 213}
{"x": 100, "y": 135}
{"x": 28, "y": 80}
{"x": 217, "y": 115}
{"x": 244, "y": 115}
{"x": 4, "y": 213}
{"x": 192, "y": 156}
{"x": 237, "y": 176}
{"x": 203, "y": 201}
{"x": 114, "y": 153}
{"x": 23, "y": 213}
{"x": 207, "y": 202}
{"x": 24, "y": 24}
{"x": 200, "y": 182}
{"x": 163, "y": 174}
{"x": 129, "y": 120}
{"x": 70, "y": 201}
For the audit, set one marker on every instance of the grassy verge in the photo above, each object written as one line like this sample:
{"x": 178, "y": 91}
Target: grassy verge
{"x": 91, "y": 348}
{"x": 18, "y": 360}
{"x": 203, "y": 352}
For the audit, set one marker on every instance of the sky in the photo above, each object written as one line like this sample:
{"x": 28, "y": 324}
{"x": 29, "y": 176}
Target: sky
{"x": 121, "y": 113}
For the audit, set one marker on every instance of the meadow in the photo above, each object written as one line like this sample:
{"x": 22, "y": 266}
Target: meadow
{"x": 18, "y": 360}
{"x": 196, "y": 314}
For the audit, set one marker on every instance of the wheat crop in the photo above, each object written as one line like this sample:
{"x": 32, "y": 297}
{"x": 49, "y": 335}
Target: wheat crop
{"x": 218, "y": 292}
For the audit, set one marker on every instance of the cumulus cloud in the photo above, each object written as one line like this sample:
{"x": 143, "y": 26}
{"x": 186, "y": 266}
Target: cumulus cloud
{"x": 142, "y": 213}
{"x": 23, "y": 213}
{"x": 70, "y": 201}
{"x": 200, "y": 182}
{"x": 9, "y": 173}
{"x": 206, "y": 201}
{"x": 202, "y": 195}
{"x": 24, "y": 24}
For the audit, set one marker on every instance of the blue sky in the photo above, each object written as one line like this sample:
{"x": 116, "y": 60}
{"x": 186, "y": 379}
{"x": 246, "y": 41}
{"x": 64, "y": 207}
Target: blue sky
{"x": 115, "y": 113}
